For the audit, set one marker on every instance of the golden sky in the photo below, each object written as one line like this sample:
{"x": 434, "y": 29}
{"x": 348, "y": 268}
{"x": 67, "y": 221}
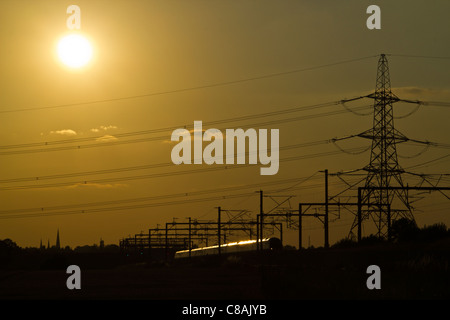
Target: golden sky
{"x": 158, "y": 64}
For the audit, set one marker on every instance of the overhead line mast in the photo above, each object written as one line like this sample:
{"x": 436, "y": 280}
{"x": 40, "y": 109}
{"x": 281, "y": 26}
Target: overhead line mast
{"x": 384, "y": 170}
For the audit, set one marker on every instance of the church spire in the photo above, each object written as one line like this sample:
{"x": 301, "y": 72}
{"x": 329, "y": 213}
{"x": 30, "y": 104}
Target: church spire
{"x": 57, "y": 240}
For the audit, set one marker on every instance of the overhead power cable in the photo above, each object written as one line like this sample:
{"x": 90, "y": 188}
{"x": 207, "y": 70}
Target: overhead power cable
{"x": 367, "y": 134}
{"x": 143, "y": 167}
{"x": 218, "y": 84}
{"x": 120, "y": 205}
{"x": 163, "y": 174}
{"x": 417, "y": 56}
{"x": 99, "y": 143}
{"x": 446, "y": 157}
{"x": 152, "y": 198}
{"x": 427, "y": 103}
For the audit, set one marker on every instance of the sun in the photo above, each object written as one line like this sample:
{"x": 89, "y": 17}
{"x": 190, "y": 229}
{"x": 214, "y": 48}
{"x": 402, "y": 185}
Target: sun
{"x": 75, "y": 51}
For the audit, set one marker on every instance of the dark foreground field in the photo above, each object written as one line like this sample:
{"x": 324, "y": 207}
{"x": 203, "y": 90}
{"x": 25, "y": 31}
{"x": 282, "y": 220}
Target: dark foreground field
{"x": 406, "y": 273}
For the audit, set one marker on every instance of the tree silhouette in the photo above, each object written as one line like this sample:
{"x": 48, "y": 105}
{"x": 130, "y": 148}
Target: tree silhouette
{"x": 404, "y": 230}
{"x": 434, "y": 232}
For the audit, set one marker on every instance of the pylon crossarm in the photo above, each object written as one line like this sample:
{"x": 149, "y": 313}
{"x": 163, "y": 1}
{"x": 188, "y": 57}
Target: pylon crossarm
{"x": 395, "y": 135}
{"x": 391, "y": 98}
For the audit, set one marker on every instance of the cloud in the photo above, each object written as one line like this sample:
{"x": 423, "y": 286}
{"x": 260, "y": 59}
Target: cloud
{"x": 103, "y": 128}
{"x": 98, "y": 185}
{"x": 87, "y": 184}
{"x": 64, "y": 132}
{"x": 421, "y": 93}
{"x": 106, "y": 138}
{"x": 205, "y": 134}
{"x": 108, "y": 127}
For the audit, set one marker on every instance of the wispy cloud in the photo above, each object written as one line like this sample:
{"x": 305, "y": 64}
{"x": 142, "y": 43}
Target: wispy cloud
{"x": 98, "y": 185}
{"x": 422, "y": 93}
{"x": 64, "y": 132}
{"x": 87, "y": 185}
{"x": 106, "y": 138}
{"x": 103, "y": 128}
{"x": 205, "y": 134}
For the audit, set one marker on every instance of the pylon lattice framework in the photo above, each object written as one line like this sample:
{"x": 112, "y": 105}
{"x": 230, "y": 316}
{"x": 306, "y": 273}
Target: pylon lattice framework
{"x": 384, "y": 169}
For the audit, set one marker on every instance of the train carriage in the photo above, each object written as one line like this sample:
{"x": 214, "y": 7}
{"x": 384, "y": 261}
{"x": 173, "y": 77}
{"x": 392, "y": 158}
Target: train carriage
{"x": 268, "y": 244}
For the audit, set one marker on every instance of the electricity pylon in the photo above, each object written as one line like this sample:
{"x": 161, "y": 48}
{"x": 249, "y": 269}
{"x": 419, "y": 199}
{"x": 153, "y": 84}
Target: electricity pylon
{"x": 384, "y": 169}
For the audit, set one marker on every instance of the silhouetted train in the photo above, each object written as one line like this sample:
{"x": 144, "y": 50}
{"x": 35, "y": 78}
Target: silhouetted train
{"x": 268, "y": 244}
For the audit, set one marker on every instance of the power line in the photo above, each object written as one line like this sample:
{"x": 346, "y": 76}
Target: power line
{"x": 152, "y": 198}
{"x": 426, "y": 103}
{"x": 296, "y": 184}
{"x": 398, "y": 137}
{"x": 168, "y": 129}
{"x": 425, "y": 149}
{"x": 417, "y": 56}
{"x": 158, "y": 138}
{"x": 160, "y": 165}
{"x": 161, "y": 138}
{"x": 100, "y": 143}
{"x": 164, "y": 174}
{"x": 409, "y": 113}
{"x": 121, "y": 208}
{"x": 71, "y": 209}
{"x": 430, "y": 161}
{"x": 436, "y": 103}
{"x": 135, "y": 168}
{"x": 218, "y": 84}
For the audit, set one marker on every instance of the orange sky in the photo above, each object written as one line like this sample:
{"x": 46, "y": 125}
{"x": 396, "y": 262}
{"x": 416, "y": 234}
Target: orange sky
{"x": 164, "y": 47}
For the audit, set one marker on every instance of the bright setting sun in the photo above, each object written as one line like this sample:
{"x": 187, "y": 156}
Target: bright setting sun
{"x": 74, "y": 50}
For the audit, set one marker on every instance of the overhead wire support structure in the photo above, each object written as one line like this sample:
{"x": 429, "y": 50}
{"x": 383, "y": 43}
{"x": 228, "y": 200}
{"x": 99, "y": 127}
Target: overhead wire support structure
{"x": 388, "y": 217}
{"x": 260, "y": 217}
{"x": 384, "y": 170}
{"x": 384, "y": 194}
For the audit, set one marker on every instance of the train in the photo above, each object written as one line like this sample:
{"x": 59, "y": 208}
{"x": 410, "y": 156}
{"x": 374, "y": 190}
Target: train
{"x": 268, "y": 244}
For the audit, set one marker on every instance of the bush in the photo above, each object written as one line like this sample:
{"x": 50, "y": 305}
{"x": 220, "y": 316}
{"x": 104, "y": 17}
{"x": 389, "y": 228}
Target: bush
{"x": 344, "y": 243}
{"x": 434, "y": 232}
{"x": 371, "y": 240}
{"x": 8, "y": 247}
